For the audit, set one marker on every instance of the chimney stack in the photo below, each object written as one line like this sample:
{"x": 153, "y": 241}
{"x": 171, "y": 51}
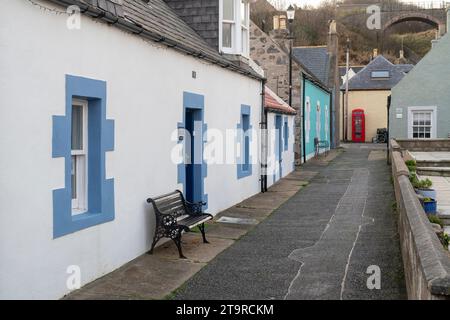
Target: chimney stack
{"x": 279, "y": 22}
{"x": 279, "y": 32}
{"x": 375, "y": 53}
{"x": 332, "y": 42}
{"x": 402, "y": 55}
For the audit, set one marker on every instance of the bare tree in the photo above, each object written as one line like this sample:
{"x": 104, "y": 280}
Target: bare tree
{"x": 279, "y": 4}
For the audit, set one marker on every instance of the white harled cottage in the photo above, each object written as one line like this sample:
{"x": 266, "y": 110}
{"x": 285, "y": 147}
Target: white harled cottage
{"x": 97, "y": 101}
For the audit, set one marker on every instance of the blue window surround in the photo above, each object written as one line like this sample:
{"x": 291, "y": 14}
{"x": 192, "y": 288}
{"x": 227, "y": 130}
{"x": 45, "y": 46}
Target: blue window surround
{"x": 286, "y": 133}
{"x": 194, "y": 101}
{"x": 244, "y": 162}
{"x": 100, "y": 140}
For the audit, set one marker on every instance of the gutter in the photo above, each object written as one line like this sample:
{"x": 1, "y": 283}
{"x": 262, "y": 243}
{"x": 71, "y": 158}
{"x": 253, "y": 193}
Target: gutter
{"x": 264, "y": 139}
{"x": 275, "y": 110}
{"x": 303, "y": 117}
{"x": 128, "y": 25}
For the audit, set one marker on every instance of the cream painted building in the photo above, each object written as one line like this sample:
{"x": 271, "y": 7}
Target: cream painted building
{"x": 368, "y": 95}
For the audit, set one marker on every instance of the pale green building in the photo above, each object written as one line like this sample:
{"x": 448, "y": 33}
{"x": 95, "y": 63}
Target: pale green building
{"x": 420, "y": 102}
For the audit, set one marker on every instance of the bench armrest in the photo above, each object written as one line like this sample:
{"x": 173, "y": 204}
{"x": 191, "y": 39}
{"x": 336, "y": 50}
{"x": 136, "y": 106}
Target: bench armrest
{"x": 195, "y": 208}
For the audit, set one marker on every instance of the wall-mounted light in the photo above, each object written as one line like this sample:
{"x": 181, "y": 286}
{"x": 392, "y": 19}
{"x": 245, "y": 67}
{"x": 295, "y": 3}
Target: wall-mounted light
{"x": 181, "y": 131}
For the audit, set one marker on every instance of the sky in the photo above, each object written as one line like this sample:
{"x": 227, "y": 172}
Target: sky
{"x": 301, "y": 3}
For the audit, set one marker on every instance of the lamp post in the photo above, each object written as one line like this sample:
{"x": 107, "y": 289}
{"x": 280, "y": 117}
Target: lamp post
{"x": 347, "y": 67}
{"x": 290, "y": 12}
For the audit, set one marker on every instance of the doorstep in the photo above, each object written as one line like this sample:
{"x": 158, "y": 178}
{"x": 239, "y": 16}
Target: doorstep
{"x": 157, "y": 276}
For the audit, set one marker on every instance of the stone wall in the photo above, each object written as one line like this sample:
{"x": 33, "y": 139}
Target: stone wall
{"x": 424, "y": 145}
{"x": 426, "y": 263}
{"x": 271, "y": 54}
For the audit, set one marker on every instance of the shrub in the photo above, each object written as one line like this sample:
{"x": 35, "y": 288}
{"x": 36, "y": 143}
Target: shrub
{"x": 434, "y": 219}
{"x": 411, "y": 164}
{"x": 419, "y": 184}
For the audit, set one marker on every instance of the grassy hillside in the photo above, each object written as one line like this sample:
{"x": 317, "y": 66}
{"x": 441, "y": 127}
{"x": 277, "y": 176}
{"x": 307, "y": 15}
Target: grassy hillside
{"x": 311, "y": 28}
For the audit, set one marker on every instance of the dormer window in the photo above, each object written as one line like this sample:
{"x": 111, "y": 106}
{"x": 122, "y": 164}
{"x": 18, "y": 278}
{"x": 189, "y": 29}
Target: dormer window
{"x": 382, "y": 74}
{"x": 234, "y": 26}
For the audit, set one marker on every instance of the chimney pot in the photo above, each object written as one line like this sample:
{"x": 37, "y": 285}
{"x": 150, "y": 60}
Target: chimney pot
{"x": 332, "y": 28}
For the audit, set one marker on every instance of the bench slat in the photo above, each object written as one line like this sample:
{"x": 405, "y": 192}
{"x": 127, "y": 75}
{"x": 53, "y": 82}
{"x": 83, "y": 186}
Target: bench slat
{"x": 178, "y": 204}
{"x": 192, "y": 221}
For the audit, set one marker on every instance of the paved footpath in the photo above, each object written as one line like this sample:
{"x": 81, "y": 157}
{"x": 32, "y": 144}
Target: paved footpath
{"x": 319, "y": 244}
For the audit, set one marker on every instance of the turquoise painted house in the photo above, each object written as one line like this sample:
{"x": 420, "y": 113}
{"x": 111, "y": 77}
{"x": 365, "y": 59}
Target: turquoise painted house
{"x": 316, "y": 120}
{"x": 420, "y": 103}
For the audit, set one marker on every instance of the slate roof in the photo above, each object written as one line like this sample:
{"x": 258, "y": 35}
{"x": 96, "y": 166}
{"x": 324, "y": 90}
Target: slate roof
{"x": 275, "y": 104}
{"x": 355, "y": 69}
{"x": 316, "y": 59}
{"x": 156, "y": 21}
{"x": 363, "y": 79}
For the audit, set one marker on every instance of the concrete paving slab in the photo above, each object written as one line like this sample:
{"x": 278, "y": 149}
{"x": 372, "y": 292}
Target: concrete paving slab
{"x": 430, "y": 156}
{"x": 233, "y": 220}
{"x": 246, "y": 212}
{"x": 147, "y": 277}
{"x": 194, "y": 248}
{"x": 227, "y": 231}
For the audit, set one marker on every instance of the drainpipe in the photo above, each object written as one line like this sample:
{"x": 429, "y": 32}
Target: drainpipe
{"x": 330, "y": 117}
{"x": 303, "y": 118}
{"x": 389, "y": 100}
{"x": 343, "y": 114}
{"x": 264, "y": 150}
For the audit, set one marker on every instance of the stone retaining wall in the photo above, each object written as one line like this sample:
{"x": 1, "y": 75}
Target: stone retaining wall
{"x": 426, "y": 263}
{"x": 424, "y": 145}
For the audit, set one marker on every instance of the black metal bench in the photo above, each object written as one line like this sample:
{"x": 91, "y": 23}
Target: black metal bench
{"x": 321, "y": 144}
{"x": 174, "y": 215}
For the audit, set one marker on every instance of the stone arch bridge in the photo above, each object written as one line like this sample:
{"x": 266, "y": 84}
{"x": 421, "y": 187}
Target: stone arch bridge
{"x": 391, "y": 14}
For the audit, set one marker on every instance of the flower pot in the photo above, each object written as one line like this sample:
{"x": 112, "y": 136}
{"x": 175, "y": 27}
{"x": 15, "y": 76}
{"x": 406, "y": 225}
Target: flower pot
{"x": 430, "y": 207}
{"x": 427, "y": 193}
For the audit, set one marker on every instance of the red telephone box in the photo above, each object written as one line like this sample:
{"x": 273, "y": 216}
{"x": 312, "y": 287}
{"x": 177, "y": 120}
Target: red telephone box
{"x": 358, "y": 126}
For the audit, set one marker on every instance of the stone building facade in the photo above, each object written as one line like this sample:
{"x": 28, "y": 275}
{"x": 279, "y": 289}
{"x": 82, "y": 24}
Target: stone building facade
{"x": 271, "y": 53}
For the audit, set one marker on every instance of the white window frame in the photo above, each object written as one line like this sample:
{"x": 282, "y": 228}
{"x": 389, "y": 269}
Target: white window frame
{"x": 412, "y": 110}
{"x": 236, "y": 30}
{"x": 245, "y": 28}
{"x": 79, "y": 204}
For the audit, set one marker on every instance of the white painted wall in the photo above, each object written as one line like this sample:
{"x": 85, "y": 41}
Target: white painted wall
{"x": 288, "y": 155}
{"x": 145, "y": 98}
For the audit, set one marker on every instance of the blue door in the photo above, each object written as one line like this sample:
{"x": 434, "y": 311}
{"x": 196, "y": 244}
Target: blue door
{"x": 194, "y": 155}
{"x": 278, "y": 146}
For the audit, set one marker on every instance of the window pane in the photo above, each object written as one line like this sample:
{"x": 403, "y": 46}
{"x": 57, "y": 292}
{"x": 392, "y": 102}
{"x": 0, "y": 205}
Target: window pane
{"x": 244, "y": 10}
{"x": 244, "y": 39}
{"x": 380, "y": 74}
{"x": 228, "y": 10}
{"x": 246, "y": 151}
{"x": 74, "y": 175}
{"x": 77, "y": 127}
{"x": 226, "y": 35}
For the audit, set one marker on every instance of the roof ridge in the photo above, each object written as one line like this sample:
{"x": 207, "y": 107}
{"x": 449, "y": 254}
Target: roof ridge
{"x": 318, "y": 46}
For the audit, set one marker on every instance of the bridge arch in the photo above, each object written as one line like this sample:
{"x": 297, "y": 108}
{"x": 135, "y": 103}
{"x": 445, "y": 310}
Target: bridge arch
{"x": 415, "y": 16}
